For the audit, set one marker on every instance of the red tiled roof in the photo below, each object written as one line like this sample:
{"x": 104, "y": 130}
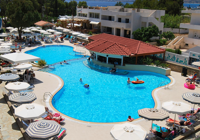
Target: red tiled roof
{"x": 111, "y": 44}
{"x": 43, "y": 23}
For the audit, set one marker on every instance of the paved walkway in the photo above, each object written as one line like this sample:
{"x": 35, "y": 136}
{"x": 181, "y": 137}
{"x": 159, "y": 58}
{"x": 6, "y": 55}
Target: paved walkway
{"x": 9, "y": 128}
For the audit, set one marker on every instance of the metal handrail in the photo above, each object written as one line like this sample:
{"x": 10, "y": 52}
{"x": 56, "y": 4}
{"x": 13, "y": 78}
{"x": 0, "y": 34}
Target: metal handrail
{"x": 164, "y": 82}
{"x": 46, "y": 95}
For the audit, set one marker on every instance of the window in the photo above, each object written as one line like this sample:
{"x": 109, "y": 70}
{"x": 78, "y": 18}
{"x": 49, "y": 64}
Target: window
{"x": 82, "y": 15}
{"x": 127, "y": 20}
{"x": 119, "y": 19}
{"x": 94, "y": 15}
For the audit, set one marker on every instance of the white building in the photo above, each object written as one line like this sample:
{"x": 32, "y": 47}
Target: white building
{"x": 193, "y": 38}
{"x": 121, "y": 21}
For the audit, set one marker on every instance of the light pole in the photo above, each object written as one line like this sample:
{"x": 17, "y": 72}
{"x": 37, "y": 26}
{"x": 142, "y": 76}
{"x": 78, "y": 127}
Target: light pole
{"x": 43, "y": 9}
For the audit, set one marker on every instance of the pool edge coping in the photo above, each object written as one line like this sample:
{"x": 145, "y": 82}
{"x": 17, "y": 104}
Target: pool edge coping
{"x": 154, "y": 96}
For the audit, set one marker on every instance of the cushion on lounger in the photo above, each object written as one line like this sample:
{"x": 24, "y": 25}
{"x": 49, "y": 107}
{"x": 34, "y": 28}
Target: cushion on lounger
{"x": 62, "y": 131}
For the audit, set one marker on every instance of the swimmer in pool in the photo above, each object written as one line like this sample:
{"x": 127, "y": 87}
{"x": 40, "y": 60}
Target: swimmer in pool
{"x": 128, "y": 81}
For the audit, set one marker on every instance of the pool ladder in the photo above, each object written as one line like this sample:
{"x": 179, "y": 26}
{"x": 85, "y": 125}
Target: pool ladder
{"x": 165, "y": 83}
{"x": 48, "y": 95}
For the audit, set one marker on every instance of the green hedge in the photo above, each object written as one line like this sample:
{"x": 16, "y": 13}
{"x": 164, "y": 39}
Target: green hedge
{"x": 177, "y": 51}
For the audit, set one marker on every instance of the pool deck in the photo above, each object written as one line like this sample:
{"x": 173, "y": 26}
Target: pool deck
{"x": 78, "y": 130}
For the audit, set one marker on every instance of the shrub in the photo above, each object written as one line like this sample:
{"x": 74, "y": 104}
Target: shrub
{"x": 42, "y": 63}
{"x": 168, "y": 35}
{"x": 90, "y": 33}
{"x": 157, "y": 62}
{"x": 178, "y": 51}
{"x": 161, "y": 42}
{"x": 148, "y": 61}
{"x": 170, "y": 50}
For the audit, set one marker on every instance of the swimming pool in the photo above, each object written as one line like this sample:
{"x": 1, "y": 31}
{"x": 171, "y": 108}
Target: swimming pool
{"x": 109, "y": 98}
{"x": 54, "y": 53}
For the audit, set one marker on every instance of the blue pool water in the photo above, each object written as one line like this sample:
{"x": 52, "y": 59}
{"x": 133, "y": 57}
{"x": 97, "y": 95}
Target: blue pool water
{"x": 109, "y": 98}
{"x": 54, "y": 53}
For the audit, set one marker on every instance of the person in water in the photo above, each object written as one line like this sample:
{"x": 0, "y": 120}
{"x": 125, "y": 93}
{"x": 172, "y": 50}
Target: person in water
{"x": 81, "y": 80}
{"x": 128, "y": 81}
{"x": 86, "y": 85}
{"x": 113, "y": 69}
{"x": 65, "y": 62}
{"x": 130, "y": 119}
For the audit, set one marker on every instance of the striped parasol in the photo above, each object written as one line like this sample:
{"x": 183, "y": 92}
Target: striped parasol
{"x": 43, "y": 129}
{"x": 191, "y": 97}
{"x": 9, "y": 77}
{"x": 24, "y": 97}
{"x": 153, "y": 114}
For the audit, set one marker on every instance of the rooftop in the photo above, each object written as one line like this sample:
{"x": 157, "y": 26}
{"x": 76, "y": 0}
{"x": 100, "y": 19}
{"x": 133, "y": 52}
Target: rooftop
{"x": 43, "y": 23}
{"x": 111, "y": 44}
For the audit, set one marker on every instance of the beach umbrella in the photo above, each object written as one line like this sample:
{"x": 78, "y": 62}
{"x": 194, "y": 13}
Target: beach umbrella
{"x": 13, "y": 31}
{"x": 6, "y": 44}
{"x": 192, "y": 97}
{"x": 30, "y": 111}
{"x": 23, "y": 66}
{"x": 66, "y": 30}
{"x": 9, "y": 28}
{"x": 34, "y": 29}
{"x": 3, "y": 35}
{"x": 17, "y": 86}
{"x": 27, "y": 30}
{"x": 128, "y": 131}
{"x": 153, "y": 114}
{"x": 23, "y": 97}
{"x": 176, "y": 108}
{"x": 39, "y": 28}
{"x": 59, "y": 28}
{"x": 41, "y": 31}
{"x": 9, "y": 77}
{"x": 196, "y": 64}
{"x": 76, "y": 33}
{"x": 46, "y": 33}
{"x": 43, "y": 129}
{"x": 57, "y": 33}
{"x": 50, "y": 30}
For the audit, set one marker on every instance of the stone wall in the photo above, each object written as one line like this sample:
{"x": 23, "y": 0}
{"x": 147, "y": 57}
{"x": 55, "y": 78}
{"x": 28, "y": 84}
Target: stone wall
{"x": 178, "y": 68}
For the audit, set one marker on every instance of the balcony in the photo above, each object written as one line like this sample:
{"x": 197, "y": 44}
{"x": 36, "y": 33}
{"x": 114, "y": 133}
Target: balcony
{"x": 190, "y": 26}
{"x": 115, "y": 24}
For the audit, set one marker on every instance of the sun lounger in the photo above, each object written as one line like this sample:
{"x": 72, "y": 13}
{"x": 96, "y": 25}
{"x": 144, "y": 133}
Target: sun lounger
{"x": 171, "y": 122}
{"x": 25, "y": 123}
{"x": 61, "y": 134}
{"x": 67, "y": 37}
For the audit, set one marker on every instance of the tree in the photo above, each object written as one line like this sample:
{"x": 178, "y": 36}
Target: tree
{"x": 22, "y": 13}
{"x": 72, "y": 5}
{"x": 3, "y": 4}
{"x": 168, "y": 35}
{"x": 82, "y": 3}
{"x": 119, "y": 4}
{"x": 144, "y": 34}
